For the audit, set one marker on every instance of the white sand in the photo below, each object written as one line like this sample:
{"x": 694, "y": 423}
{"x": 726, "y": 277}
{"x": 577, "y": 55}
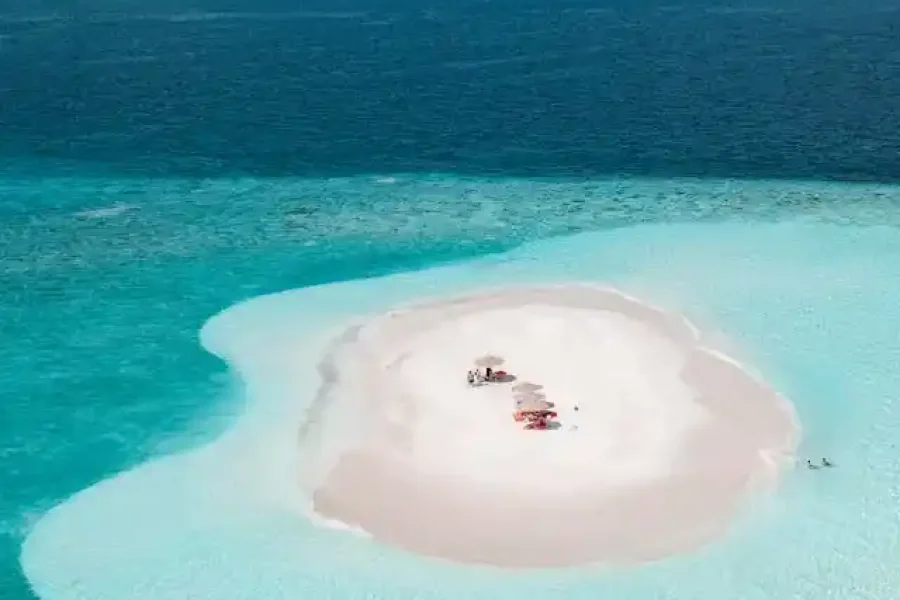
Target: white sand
{"x": 668, "y": 439}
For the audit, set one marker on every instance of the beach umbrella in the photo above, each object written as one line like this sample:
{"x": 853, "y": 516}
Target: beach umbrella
{"x": 489, "y": 360}
{"x": 530, "y": 396}
{"x": 526, "y": 387}
{"x": 531, "y": 402}
{"x": 534, "y": 405}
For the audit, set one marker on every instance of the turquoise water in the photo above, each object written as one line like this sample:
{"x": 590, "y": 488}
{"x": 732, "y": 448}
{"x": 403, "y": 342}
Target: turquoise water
{"x": 109, "y": 282}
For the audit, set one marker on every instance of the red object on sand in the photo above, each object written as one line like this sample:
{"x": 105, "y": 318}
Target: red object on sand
{"x": 534, "y": 416}
{"x": 538, "y": 424}
{"x": 541, "y": 414}
{"x": 500, "y": 373}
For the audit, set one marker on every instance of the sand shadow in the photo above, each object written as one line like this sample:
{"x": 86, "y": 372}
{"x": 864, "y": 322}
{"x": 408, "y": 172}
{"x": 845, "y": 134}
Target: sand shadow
{"x": 551, "y": 426}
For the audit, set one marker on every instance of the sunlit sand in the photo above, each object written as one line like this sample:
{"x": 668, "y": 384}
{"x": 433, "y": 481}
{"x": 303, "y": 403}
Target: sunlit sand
{"x": 655, "y": 443}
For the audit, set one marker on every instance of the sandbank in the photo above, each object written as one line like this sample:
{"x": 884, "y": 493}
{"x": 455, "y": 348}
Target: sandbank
{"x": 660, "y": 440}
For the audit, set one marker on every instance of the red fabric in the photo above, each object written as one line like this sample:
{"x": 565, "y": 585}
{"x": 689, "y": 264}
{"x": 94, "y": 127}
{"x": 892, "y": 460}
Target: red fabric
{"x": 541, "y": 414}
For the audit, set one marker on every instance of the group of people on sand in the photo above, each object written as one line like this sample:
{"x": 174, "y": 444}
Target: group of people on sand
{"x": 479, "y": 377}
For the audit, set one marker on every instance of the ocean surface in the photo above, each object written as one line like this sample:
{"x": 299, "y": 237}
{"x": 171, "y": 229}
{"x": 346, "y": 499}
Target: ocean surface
{"x": 737, "y": 161}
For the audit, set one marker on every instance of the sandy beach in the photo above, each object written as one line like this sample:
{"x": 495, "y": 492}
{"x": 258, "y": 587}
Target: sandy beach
{"x": 657, "y": 441}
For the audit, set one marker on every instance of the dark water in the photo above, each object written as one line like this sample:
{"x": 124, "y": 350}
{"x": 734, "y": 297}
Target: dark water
{"x": 744, "y": 89}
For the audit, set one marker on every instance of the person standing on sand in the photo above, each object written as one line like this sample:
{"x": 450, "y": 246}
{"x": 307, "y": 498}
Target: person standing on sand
{"x": 470, "y": 377}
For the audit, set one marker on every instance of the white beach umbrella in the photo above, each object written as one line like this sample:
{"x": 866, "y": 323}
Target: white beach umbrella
{"x": 535, "y": 405}
{"x": 529, "y": 396}
{"x": 531, "y": 401}
{"x": 489, "y": 360}
{"x": 526, "y": 387}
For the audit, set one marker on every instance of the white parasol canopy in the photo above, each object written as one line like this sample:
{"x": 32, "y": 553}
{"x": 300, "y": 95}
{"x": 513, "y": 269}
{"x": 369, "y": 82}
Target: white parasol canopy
{"x": 527, "y": 388}
{"x": 489, "y": 360}
{"x": 531, "y": 401}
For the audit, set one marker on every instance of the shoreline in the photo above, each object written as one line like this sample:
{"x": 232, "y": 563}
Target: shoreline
{"x": 381, "y": 458}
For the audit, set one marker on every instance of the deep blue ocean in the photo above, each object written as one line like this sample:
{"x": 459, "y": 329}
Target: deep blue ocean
{"x": 161, "y": 163}
{"x": 798, "y": 88}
